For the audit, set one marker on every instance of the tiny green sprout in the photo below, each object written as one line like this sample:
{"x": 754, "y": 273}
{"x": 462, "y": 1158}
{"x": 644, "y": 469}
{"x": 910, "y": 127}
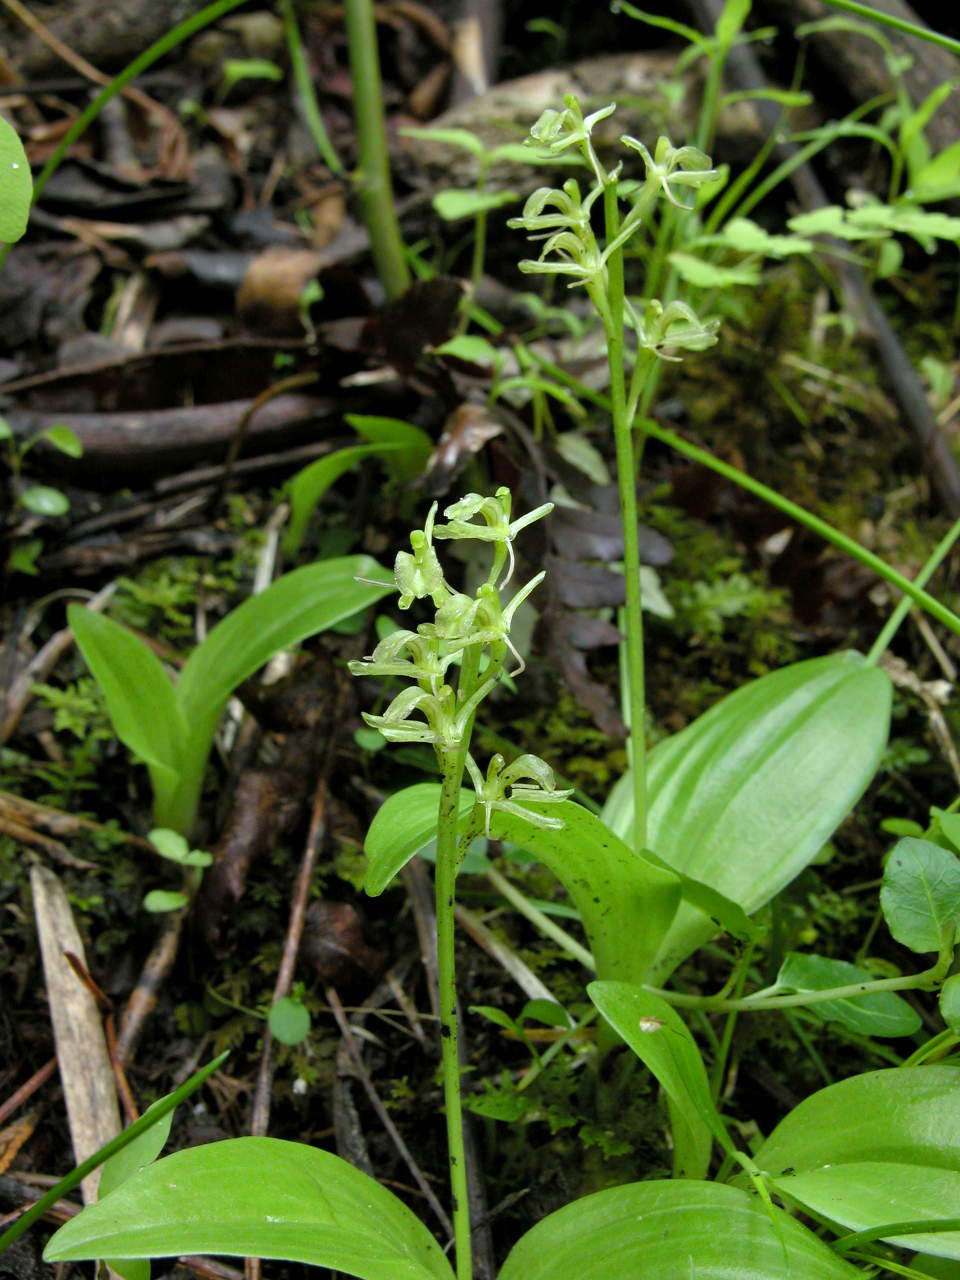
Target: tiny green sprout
{"x": 527, "y": 778}
{"x": 171, "y": 844}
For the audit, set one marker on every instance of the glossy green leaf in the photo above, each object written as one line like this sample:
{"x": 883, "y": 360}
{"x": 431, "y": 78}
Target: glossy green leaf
{"x": 257, "y": 1197}
{"x": 143, "y": 708}
{"x": 16, "y": 184}
{"x": 745, "y": 797}
{"x": 626, "y": 903}
{"x": 661, "y": 1040}
{"x": 879, "y": 1013}
{"x": 401, "y": 827}
{"x": 904, "y": 1165}
{"x": 920, "y": 896}
{"x": 866, "y": 1195}
{"x": 672, "y": 1231}
{"x": 42, "y": 500}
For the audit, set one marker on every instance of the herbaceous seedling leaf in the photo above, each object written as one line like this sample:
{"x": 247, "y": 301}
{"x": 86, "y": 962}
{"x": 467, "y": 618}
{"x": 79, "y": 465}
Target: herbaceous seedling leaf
{"x": 939, "y": 178}
{"x": 453, "y": 204}
{"x": 289, "y": 1020}
{"x": 401, "y": 827}
{"x": 140, "y": 698}
{"x": 660, "y": 1039}
{"x": 672, "y": 1231}
{"x": 902, "y": 1166}
{"x": 626, "y": 903}
{"x": 920, "y": 896}
{"x": 43, "y": 500}
{"x": 63, "y": 440}
{"x": 879, "y": 1013}
{"x": 16, "y": 185}
{"x": 749, "y": 237}
{"x": 706, "y": 275}
{"x": 258, "y": 1197}
{"x": 461, "y": 138}
{"x": 746, "y": 796}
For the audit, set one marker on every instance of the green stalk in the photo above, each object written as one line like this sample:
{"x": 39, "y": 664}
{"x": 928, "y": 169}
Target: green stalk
{"x": 306, "y": 91}
{"x": 372, "y": 179}
{"x": 897, "y": 24}
{"x": 883, "y": 640}
{"x": 445, "y": 882}
{"x": 610, "y": 308}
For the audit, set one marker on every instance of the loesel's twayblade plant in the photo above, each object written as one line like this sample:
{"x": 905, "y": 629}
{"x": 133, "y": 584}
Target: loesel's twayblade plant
{"x": 719, "y": 817}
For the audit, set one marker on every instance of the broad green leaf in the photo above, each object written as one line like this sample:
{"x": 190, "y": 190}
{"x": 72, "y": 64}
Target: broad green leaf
{"x": 16, "y": 185}
{"x": 289, "y": 1020}
{"x": 902, "y": 1166}
{"x": 920, "y": 896}
{"x": 308, "y": 486}
{"x": 297, "y": 605}
{"x": 401, "y": 827}
{"x": 137, "y": 1154}
{"x": 452, "y": 205}
{"x": 879, "y": 1013}
{"x": 140, "y": 698}
{"x": 257, "y": 1197}
{"x": 707, "y": 275}
{"x": 661, "y": 1040}
{"x": 869, "y": 1194}
{"x": 745, "y": 797}
{"x": 64, "y": 440}
{"x": 672, "y": 1231}
{"x": 42, "y": 500}
{"x": 626, "y": 903}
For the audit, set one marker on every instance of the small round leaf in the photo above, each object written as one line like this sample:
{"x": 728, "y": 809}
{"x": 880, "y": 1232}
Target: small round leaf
{"x": 63, "y": 439}
{"x": 44, "y": 501}
{"x": 16, "y": 185}
{"x": 289, "y": 1021}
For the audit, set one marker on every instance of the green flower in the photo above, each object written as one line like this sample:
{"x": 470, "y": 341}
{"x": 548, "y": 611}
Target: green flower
{"x": 528, "y": 778}
{"x": 464, "y": 620}
{"x": 497, "y": 526}
{"x": 423, "y": 663}
{"x": 417, "y": 573}
{"x": 684, "y": 167}
{"x": 674, "y": 327}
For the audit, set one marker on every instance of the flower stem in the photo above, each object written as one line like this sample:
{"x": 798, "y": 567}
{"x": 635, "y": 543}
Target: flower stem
{"x": 446, "y": 874}
{"x": 611, "y": 312}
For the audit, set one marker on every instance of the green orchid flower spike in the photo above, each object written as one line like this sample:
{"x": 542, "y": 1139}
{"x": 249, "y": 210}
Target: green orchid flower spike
{"x": 417, "y": 573}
